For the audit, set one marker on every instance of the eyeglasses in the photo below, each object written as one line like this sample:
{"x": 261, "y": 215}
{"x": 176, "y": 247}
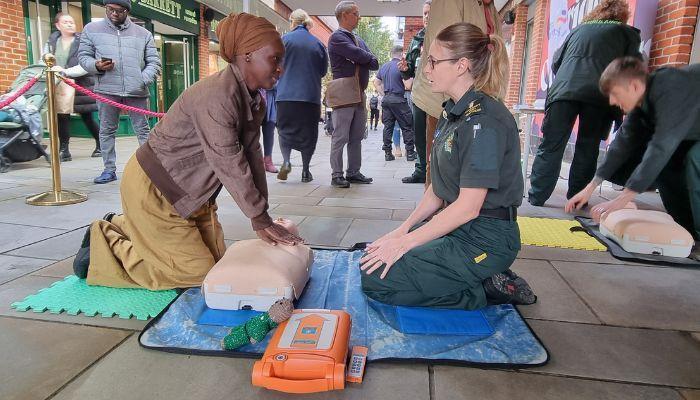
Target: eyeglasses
{"x": 432, "y": 61}
{"x": 111, "y": 10}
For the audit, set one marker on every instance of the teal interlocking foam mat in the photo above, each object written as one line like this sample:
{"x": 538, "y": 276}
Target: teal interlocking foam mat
{"x": 73, "y": 296}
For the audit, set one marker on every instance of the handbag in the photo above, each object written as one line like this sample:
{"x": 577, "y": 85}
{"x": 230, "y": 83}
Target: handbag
{"x": 345, "y": 92}
{"x": 65, "y": 96}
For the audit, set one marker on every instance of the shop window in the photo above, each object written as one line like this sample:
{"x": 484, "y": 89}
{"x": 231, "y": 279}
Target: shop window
{"x": 40, "y": 28}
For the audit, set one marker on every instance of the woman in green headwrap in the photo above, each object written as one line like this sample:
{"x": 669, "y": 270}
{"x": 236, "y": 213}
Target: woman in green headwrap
{"x": 169, "y": 235}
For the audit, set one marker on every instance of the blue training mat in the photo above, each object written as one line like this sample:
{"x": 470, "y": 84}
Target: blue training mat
{"x": 495, "y": 335}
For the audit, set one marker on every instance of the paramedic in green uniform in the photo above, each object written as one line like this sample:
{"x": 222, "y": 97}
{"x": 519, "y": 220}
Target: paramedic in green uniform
{"x": 462, "y": 254}
{"x": 658, "y": 144}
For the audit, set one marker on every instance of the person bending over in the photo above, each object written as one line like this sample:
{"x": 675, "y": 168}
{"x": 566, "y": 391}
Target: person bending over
{"x": 169, "y": 235}
{"x": 658, "y": 144}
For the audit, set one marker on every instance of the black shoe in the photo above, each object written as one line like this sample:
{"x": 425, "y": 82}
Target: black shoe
{"x": 358, "y": 178}
{"x": 535, "y": 202}
{"x": 523, "y": 292}
{"x": 65, "y": 155}
{"x": 389, "y": 157}
{"x": 414, "y": 178}
{"x": 499, "y": 289}
{"x": 411, "y": 155}
{"x": 306, "y": 176}
{"x": 82, "y": 258}
{"x": 81, "y": 263}
{"x": 108, "y": 217}
{"x": 285, "y": 169}
{"x": 340, "y": 182}
{"x": 96, "y": 153}
{"x": 86, "y": 238}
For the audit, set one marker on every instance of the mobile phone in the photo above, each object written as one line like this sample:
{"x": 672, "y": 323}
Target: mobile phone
{"x": 106, "y": 59}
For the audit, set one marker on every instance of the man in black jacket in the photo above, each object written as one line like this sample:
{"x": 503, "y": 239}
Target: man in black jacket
{"x": 578, "y": 64}
{"x": 658, "y": 144}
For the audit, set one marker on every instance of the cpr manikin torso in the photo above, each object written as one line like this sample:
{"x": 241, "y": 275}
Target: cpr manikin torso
{"x": 647, "y": 232}
{"x": 253, "y": 274}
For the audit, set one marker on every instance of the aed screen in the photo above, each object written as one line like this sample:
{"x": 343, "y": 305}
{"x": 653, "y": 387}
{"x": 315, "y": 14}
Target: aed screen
{"x": 308, "y": 331}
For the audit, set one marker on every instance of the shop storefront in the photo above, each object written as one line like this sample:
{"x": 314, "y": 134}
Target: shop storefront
{"x": 175, "y": 27}
{"x": 216, "y": 63}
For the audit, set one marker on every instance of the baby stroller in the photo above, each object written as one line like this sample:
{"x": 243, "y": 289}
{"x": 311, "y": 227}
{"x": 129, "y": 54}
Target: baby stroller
{"x": 20, "y": 122}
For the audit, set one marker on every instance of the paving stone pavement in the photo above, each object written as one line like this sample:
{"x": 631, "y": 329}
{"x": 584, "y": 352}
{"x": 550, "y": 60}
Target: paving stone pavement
{"x": 615, "y": 330}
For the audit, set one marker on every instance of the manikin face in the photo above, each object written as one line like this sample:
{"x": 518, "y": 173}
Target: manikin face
{"x": 627, "y": 95}
{"x": 66, "y": 25}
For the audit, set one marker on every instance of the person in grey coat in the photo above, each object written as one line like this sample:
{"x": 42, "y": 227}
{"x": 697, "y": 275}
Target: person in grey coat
{"x": 124, "y": 58}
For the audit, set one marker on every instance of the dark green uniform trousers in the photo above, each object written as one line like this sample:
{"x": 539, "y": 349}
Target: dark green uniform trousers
{"x": 594, "y": 125}
{"x": 678, "y": 184}
{"x": 448, "y": 272}
{"x": 419, "y": 118}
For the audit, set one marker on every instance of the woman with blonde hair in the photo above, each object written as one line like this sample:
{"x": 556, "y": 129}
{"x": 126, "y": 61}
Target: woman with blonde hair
{"x": 460, "y": 257}
{"x": 299, "y": 94}
{"x": 578, "y": 64}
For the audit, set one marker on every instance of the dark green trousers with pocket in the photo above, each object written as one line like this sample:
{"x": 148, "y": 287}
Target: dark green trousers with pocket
{"x": 448, "y": 272}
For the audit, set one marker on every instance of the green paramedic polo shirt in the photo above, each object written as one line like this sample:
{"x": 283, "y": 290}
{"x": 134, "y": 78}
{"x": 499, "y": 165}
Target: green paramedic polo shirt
{"x": 477, "y": 145}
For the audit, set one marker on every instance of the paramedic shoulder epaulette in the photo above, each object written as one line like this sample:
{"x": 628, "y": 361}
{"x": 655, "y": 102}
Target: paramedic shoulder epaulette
{"x": 474, "y": 108}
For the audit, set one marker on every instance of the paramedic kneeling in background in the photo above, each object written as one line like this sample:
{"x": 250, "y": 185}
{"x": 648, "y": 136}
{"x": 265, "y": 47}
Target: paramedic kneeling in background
{"x": 658, "y": 144}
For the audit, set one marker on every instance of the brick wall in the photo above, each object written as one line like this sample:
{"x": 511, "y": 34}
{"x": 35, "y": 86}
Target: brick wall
{"x": 412, "y": 26}
{"x": 676, "y": 21}
{"x": 203, "y": 45}
{"x": 535, "y": 60}
{"x": 517, "y": 54}
{"x": 13, "y": 45}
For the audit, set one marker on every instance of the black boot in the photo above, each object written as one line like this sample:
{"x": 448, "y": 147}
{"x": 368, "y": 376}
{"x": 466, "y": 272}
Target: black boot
{"x": 64, "y": 154}
{"x": 411, "y": 155}
{"x": 82, "y": 258}
{"x": 416, "y": 177}
{"x": 388, "y": 156}
{"x": 306, "y": 175}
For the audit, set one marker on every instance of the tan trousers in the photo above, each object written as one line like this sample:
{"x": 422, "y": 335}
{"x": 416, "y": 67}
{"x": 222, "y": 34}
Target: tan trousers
{"x": 430, "y": 126}
{"x": 150, "y": 245}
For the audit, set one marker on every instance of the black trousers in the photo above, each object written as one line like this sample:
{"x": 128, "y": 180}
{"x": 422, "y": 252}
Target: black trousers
{"x": 373, "y": 117}
{"x": 395, "y": 109}
{"x": 593, "y": 126}
{"x": 64, "y": 128}
{"x": 419, "y": 121}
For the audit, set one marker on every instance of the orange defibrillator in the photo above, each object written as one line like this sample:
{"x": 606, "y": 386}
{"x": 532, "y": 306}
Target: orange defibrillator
{"x": 306, "y": 354}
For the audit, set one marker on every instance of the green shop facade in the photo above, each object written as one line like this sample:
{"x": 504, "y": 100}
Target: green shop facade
{"x": 175, "y": 25}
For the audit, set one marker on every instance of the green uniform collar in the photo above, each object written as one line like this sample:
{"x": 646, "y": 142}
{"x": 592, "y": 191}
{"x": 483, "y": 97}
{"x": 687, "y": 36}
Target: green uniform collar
{"x": 467, "y": 106}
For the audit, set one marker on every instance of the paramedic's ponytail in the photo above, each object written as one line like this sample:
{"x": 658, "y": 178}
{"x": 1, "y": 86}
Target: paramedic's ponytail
{"x": 486, "y": 53}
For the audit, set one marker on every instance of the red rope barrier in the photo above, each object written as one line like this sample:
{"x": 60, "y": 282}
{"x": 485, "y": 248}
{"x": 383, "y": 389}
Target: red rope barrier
{"x": 20, "y": 92}
{"x": 108, "y": 101}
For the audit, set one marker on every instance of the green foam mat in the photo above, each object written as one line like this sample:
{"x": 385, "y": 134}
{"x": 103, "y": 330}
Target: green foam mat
{"x": 74, "y": 296}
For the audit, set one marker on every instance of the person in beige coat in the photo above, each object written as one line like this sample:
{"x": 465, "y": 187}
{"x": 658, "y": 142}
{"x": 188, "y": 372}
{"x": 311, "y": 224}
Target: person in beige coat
{"x": 444, "y": 13}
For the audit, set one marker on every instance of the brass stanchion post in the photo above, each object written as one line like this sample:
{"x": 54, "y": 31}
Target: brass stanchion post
{"x": 57, "y": 196}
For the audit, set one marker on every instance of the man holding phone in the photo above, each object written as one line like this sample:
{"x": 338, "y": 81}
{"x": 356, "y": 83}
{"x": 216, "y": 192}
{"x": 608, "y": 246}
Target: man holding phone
{"x": 123, "y": 55}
